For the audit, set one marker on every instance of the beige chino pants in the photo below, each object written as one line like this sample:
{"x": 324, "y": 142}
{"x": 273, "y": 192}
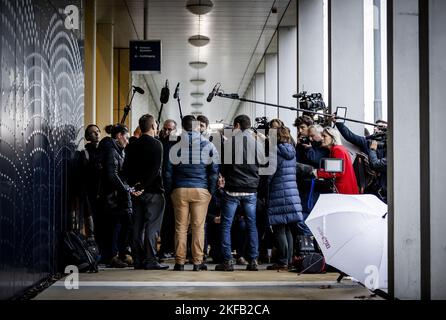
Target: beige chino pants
{"x": 190, "y": 204}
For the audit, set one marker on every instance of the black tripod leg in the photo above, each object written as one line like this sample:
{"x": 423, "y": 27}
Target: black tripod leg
{"x": 159, "y": 114}
{"x": 341, "y": 276}
{"x": 179, "y": 107}
{"x": 126, "y": 113}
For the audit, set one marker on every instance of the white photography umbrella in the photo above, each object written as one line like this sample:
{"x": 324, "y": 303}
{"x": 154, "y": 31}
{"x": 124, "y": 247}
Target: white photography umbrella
{"x": 352, "y": 233}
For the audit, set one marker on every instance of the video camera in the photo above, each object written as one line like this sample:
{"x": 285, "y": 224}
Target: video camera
{"x": 315, "y": 103}
{"x": 312, "y": 102}
{"x": 380, "y": 137}
{"x": 261, "y": 123}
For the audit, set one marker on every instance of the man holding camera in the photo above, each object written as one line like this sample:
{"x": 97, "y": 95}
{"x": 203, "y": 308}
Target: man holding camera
{"x": 309, "y": 153}
{"x": 375, "y": 147}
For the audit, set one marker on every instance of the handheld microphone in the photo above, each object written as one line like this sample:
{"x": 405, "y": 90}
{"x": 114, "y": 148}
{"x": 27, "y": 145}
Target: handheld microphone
{"x": 213, "y": 93}
{"x": 138, "y": 89}
{"x": 165, "y": 92}
{"x": 177, "y": 89}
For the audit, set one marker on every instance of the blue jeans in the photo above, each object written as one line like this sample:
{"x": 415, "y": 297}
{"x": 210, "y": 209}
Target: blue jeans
{"x": 229, "y": 206}
{"x": 302, "y": 228}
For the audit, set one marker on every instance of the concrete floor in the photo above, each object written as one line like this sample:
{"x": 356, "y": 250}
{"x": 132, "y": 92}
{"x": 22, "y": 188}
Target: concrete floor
{"x": 129, "y": 284}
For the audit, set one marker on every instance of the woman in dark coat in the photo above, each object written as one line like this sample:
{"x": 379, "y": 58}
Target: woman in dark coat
{"x": 284, "y": 208}
{"x": 114, "y": 198}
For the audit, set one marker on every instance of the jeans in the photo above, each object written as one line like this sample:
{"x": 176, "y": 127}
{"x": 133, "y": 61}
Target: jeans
{"x": 121, "y": 228}
{"x": 228, "y": 208}
{"x": 302, "y": 227}
{"x": 239, "y": 238}
{"x": 284, "y": 242}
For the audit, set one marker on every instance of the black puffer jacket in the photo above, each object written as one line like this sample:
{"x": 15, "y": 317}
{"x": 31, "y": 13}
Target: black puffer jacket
{"x": 114, "y": 191}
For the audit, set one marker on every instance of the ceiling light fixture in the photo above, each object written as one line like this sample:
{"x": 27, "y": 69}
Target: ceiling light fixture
{"x": 198, "y": 64}
{"x": 199, "y": 6}
{"x": 197, "y": 81}
{"x": 197, "y": 94}
{"x": 199, "y": 40}
{"x": 196, "y": 105}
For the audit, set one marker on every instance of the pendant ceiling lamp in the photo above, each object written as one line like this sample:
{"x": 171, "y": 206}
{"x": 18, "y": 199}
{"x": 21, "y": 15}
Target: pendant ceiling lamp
{"x": 199, "y": 7}
{"x": 198, "y": 64}
{"x": 199, "y": 40}
{"x": 196, "y": 105}
{"x": 197, "y": 81}
{"x": 197, "y": 94}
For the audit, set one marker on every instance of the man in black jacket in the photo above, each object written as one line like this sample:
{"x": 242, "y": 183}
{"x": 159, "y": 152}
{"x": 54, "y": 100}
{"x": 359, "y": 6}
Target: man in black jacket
{"x": 167, "y": 247}
{"x": 142, "y": 167}
{"x": 240, "y": 189}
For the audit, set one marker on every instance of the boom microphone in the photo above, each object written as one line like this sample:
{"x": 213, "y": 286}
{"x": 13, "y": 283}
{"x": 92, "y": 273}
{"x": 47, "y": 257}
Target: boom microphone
{"x": 213, "y": 93}
{"x": 138, "y": 89}
{"x": 177, "y": 89}
{"x": 165, "y": 92}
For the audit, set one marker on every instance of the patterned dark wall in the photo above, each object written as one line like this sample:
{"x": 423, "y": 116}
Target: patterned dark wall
{"x": 41, "y": 119}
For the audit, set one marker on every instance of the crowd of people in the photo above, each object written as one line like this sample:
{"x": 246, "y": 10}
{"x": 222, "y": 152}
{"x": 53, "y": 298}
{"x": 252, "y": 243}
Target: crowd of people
{"x": 177, "y": 194}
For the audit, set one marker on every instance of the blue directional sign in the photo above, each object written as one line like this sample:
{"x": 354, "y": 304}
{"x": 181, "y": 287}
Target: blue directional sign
{"x": 145, "y": 56}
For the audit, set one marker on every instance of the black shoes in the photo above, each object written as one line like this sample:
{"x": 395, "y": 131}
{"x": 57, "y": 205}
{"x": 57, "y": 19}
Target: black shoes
{"x": 225, "y": 266}
{"x": 252, "y": 266}
{"x": 117, "y": 262}
{"x": 178, "y": 267}
{"x": 155, "y": 266}
{"x": 166, "y": 256}
{"x": 200, "y": 267}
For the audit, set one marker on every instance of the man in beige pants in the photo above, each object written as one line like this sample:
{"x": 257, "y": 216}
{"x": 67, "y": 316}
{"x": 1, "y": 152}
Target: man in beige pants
{"x": 192, "y": 180}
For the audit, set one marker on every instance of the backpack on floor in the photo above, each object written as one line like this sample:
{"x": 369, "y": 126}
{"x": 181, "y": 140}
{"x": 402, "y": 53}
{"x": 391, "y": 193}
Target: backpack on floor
{"x": 308, "y": 259}
{"x": 313, "y": 263}
{"x": 80, "y": 252}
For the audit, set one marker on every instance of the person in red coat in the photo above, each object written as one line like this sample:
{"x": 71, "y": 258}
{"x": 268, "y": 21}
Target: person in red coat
{"x": 345, "y": 181}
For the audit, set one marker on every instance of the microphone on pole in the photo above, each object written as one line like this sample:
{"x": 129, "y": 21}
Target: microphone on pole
{"x": 165, "y": 92}
{"x": 177, "y": 89}
{"x": 213, "y": 93}
{"x": 138, "y": 89}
